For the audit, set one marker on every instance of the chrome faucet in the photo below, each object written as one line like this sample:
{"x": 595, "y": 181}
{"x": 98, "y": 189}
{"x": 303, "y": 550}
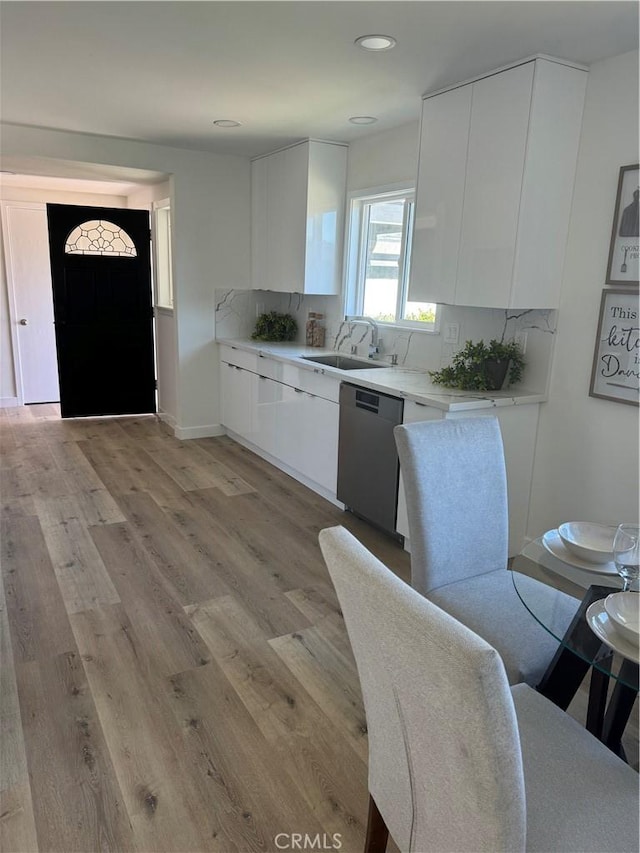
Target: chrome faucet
{"x": 376, "y": 341}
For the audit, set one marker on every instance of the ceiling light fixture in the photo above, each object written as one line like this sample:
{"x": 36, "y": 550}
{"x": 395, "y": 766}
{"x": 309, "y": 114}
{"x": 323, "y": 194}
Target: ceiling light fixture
{"x": 226, "y": 122}
{"x": 363, "y": 119}
{"x": 375, "y": 42}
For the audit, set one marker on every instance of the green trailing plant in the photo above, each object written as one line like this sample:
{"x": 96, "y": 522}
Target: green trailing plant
{"x": 274, "y": 326}
{"x": 482, "y": 367}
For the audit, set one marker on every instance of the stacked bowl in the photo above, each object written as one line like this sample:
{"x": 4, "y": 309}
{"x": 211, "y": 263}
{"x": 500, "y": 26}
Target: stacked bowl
{"x": 623, "y": 610}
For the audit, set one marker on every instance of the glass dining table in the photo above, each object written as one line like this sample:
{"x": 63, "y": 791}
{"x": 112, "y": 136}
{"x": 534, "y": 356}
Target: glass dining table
{"x": 580, "y": 649}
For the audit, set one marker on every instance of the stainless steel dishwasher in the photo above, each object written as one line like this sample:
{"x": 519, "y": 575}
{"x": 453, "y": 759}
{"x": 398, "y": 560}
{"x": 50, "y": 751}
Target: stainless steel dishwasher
{"x": 368, "y": 467}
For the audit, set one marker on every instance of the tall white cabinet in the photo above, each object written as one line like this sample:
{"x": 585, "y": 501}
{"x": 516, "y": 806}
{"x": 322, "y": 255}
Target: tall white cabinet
{"x": 495, "y": 183}
{"x": 297, "y": 218}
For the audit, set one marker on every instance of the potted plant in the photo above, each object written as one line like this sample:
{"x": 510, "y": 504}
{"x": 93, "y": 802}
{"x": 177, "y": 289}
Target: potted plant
{"x": 482, "y": 367}
{"x": 273, "y": 326}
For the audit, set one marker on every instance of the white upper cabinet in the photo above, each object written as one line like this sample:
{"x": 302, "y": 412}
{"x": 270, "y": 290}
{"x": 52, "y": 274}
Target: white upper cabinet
{"x": 495, "y": 182}
{"x": 495, "y": 165}
{"x": 297, "y": 218}
{"x": 440, "y": 194}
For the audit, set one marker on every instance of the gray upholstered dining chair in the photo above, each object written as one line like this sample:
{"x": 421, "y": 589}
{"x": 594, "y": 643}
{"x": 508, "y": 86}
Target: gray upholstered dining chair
{"x": 458, "y": 760}
{"x": 456, "y": 493}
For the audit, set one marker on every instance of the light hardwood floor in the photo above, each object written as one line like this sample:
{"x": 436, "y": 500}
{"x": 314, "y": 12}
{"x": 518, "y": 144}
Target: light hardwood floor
{"x": 175, "y": 669}
{"x": 175, "y": 673}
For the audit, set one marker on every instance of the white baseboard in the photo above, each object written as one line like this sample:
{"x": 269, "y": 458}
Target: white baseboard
{"x": 8, "y": 402}
{"x": 209, "y": 431}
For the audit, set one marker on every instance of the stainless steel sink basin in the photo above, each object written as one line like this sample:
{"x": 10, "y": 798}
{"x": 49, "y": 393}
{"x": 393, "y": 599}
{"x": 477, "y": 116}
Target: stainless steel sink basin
{"x": 343, "y": 362}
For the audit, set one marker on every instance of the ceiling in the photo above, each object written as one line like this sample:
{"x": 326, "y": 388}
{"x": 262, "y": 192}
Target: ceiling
{"x": 164, "y": 71}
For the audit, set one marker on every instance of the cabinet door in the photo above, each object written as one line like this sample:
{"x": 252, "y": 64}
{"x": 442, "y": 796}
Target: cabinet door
{"x": 268, "y": 397}
{"x": 495, "y": 165}
{"x": 286, "y": 218}
{"x": 289, "y": 435}
{"x": 547, "y": 189}
{"x": 439, "y": 196}
{"x": 320, "y": 428}
{"x": 227, "y": 395}
{"x": 325, "y": 218}
{"x": 259, "y": 236}
{"x": 236, "y": 386}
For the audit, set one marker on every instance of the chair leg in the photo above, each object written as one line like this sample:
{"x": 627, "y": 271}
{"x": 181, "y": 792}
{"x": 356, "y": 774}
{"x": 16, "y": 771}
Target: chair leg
{"x": 377, "y": 832}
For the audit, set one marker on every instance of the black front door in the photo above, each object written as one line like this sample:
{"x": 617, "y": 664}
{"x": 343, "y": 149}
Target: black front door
{"x": 101, "y": 273}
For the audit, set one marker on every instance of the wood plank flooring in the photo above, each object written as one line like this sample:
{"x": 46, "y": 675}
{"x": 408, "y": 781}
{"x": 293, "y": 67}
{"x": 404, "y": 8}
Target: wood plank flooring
{"x": 175, "y": 671}
{"x": 175, "y": 674}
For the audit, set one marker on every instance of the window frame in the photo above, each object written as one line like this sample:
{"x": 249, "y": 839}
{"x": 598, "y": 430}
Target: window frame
{"x": 163, "y": 255}
{"x": 356, "y": 252}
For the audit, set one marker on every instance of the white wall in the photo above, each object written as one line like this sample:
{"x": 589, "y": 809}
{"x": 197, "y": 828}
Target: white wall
{"x": 32, "y": 194}
{"x": 165, "y": 319}
{"x": 389, "y": 157}
{"x": 144, "y": 197}
{"x": 586, "y": 464}
{"x": 211, "y": 241}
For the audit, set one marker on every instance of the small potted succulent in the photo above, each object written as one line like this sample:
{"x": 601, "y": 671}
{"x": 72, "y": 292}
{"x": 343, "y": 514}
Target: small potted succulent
{"x": 274, "y": 326}
{"x": 482, "y": 367}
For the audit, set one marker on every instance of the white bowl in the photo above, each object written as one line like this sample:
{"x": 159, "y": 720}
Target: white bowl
{"x": 623, "y": 608}
{"x": 589, "y": 541}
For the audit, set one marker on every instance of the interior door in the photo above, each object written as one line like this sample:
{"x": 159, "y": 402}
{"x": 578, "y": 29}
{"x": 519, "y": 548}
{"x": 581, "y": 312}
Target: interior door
{"x": 29, "y": 277}
{"x": 101, "y": 274}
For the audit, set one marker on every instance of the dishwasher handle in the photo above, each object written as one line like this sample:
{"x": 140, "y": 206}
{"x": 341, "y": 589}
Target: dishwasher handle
{"x": 367, "y": 400}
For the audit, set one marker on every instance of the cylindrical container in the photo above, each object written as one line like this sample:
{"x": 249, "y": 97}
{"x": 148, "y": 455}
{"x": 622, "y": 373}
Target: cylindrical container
{"x": 318, "y": 331}
{"x": 310, "y": 329}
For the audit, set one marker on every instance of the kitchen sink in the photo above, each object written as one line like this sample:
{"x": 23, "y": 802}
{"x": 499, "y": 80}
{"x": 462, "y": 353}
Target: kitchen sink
{"x": 342, "y": 362}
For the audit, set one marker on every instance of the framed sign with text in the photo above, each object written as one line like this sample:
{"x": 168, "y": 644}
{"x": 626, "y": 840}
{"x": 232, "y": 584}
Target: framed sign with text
{"x": 615, "y": 374}
{"x": 622, "y": 267}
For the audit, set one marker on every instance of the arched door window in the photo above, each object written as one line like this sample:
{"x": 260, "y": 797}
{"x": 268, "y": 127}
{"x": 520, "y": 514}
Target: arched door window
{"x": 100, "y": 237}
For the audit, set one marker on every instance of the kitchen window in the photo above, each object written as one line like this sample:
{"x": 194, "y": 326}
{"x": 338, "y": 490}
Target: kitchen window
{"x": 378, "y": 257}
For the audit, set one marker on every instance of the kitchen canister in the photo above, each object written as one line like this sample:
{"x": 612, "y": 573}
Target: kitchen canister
{"x": 315, "y": 331}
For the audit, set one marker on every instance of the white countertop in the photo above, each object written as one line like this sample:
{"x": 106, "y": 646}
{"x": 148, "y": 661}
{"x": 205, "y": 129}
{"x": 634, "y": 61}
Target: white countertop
{"x": 409, "y": 383}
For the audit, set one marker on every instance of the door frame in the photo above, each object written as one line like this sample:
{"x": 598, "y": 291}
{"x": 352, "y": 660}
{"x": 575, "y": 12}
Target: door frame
{"x": 11, "y": 292}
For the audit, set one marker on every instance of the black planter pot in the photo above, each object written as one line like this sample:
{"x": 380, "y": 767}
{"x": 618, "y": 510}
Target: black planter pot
{"x": 495, "y": 373}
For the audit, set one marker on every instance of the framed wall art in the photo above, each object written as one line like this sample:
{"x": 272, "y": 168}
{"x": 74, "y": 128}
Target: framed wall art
{"x": 622, "y": 267}
{"x": 615, "y": 374}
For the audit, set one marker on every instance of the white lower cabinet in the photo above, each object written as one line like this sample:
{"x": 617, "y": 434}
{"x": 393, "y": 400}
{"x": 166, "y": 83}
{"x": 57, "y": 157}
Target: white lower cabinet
{"x": 321, "y": 422}
{"x": 293, "y": 420}
{"x": 518, "y": 425}
{"x": 237, "y": 399}
{"x": 289, "y": 424}
{"x": 291, "y": 445}
{"x": 267, "y": 400}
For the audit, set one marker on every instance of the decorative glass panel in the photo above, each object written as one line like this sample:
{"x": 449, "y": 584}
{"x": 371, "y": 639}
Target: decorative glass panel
{"x": 100, "y": 237}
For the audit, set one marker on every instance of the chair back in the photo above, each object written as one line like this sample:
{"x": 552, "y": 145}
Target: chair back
{"x": 445, "y": 765}
{"x": 456, "y": 492}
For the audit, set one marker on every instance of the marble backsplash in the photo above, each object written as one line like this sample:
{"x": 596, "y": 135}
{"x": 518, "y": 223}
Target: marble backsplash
{"x": 236, "y": 312}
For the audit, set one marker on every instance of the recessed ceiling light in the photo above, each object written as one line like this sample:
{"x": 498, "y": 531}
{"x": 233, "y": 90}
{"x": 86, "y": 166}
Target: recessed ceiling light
{"x": 363, "y": 119}
{"x": 375, "y": 42}
{"x": 226, "y": 122}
